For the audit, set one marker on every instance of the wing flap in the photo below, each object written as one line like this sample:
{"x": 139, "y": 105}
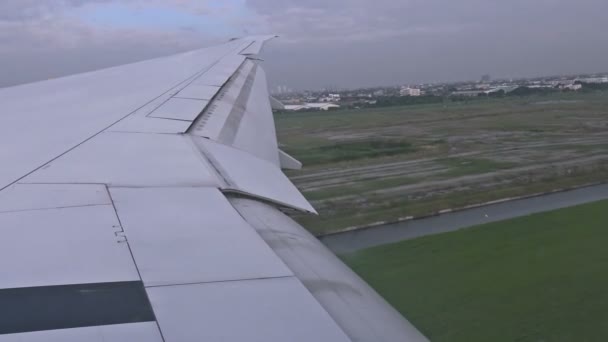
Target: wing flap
{"x": 193, "y": 235}
{"x": 288, "y": 162}
{"x": 359, "y": 311}
{"x": 231, "y": 99}
{"x": 246, "y": 174}
{"x": 74, "y": 245}
{"x": 262, "y": 310}
{"x": 241, "y": 116}
{"x": 208, "y": 273}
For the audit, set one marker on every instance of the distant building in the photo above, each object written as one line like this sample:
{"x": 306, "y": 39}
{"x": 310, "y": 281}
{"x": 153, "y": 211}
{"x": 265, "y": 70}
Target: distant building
{"x": 477, "y": 92}
{"x": 541, "y": 86}
{"x": 407, "y": 91}
{"x": 331, "y": 98}
{"x": 594, "y": 80}
{"x": 282, "y": 89}
{"x": 574, "y": 86}
{"x": 311, "y": 106}
{"x": 506, "y": 89}
{"x": 486, "y": 78}
{"x": 562, "y": 83}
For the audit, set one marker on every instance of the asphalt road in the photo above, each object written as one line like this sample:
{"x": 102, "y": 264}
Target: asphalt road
{"x": 353, "y": 241}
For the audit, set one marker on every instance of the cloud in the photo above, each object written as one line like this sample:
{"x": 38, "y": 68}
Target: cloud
{"x": 352, "y": 20}
{"x": 355, "y": 19}
{"x": 43, "y": 39}
{"x": 47, "y": 49}
{"x": 345, "y": 43}
{"x": 17, "y": 10}
{"x": 362, "y": 43}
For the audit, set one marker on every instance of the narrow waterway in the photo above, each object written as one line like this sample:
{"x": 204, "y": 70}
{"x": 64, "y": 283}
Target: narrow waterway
{"x": 352, "y": 241}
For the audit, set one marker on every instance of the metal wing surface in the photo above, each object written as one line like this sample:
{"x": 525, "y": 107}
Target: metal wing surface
{"x": 145, "y": 203}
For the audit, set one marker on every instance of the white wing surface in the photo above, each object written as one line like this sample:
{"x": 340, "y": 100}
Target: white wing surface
{"x": 144, "y": 203}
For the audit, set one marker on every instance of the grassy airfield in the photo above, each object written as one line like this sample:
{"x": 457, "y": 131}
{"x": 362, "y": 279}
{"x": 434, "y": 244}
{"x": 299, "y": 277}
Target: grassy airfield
{"x": 536, "y": 278}
{"x": 380, "y": 164}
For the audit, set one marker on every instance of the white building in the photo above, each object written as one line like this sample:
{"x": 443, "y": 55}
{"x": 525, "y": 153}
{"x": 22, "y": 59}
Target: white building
{"x": 310, "y": 106}
{"x": 594, "y": 80}
{"x": 407, "y": 91}
{"x": 506, "y": 89}
{"x": 330, "y": 98}
{"x": 574, "y": 86}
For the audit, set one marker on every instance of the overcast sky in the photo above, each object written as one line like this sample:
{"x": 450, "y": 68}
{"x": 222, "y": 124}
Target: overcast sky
{"x": 337, "y": 43}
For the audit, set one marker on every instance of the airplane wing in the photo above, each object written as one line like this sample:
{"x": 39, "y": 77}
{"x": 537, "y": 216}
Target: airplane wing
{"x": 146, "y": 203}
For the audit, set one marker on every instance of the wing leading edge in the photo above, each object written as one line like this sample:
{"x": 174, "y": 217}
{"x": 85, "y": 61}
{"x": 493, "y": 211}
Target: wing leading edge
{"x": 161, "y": 182}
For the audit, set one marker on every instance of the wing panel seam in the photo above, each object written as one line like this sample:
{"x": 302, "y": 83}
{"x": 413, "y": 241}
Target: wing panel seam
{"x": 122, "y": 230}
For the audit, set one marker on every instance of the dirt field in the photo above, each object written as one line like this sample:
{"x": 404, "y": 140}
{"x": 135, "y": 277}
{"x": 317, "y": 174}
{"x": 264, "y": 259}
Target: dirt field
{"x": 370, "y": 165}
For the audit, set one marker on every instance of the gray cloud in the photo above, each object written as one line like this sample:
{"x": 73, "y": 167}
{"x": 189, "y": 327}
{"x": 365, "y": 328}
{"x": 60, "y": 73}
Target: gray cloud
{"x": 38, "y": 41}
{"x": 47, "y": 49}
{"x": 358, "y": 43}
{"x": 344, "y": 43}
{"x": 27, "y": 9}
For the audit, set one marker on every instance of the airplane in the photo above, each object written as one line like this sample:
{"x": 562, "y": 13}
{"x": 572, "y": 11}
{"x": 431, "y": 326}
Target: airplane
{"x": 147, "y": 202}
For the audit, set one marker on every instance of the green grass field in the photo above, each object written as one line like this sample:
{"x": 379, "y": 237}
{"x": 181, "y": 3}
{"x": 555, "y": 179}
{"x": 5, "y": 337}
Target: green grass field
{"x": 536, "y": 278}
{"x": 342, "y": 152}
{"x": 367, "y": 165}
